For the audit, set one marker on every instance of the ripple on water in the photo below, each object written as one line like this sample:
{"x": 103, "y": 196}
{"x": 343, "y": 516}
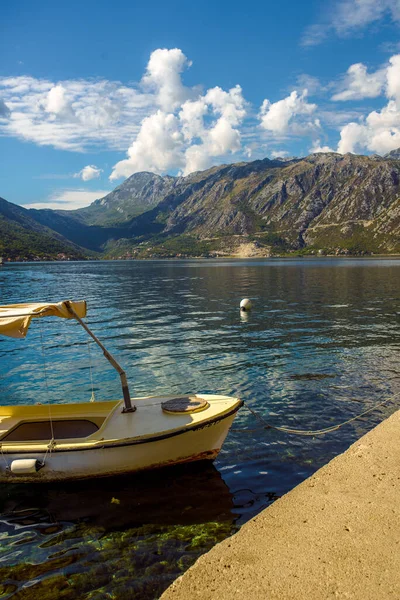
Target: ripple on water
{"x": 320, "y": 346}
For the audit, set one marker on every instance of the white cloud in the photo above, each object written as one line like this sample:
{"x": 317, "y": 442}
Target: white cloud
{"x": 191, "y": 116}
{"x": 359, "y": 84}
{"x": 4, "y": 110}
{"x": 350, "y": 15}
{"x": 56, "y": 101}
{"x": 390, "y": 47}
{"x": 336, "y": 119}
{"x": 189, "y": 138}
{"x": 165, "y": 125}
{"x": 69, "y": 199}
{"x": 317, "y": 148}
{"x": 172, "y": 126}
{"x": 279, "y": 153}
{"x": 163, "y": 77}
{"x": 312, "y": 84}
{"x": 230, "y": 105}
{"x": 157, "y": 147}
{"x": 219, "y": 138}
{"x": 89, "y": 172}
{"x": 393, "y": 78}
{"x": 345, "y": 17}
{"x": 73, "y": 114}
{"x": 287, "y": 115}
{"x": 380, "y": 130}
{"x": 351, "y": 136}
{"x": 216, "y": 141}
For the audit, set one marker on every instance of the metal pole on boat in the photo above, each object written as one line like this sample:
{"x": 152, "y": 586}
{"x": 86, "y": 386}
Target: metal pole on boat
{"x": 124, "y": 382}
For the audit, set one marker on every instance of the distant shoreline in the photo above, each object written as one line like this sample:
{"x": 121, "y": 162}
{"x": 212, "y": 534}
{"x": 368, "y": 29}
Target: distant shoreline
{"x": 208, "y": 258}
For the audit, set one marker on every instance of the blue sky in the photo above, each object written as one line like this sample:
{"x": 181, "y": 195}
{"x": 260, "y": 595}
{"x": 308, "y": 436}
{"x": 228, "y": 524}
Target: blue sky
{"x": 91, "y": 92}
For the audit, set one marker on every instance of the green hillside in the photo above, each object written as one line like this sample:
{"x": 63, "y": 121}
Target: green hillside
{"x": 21, "y": 238}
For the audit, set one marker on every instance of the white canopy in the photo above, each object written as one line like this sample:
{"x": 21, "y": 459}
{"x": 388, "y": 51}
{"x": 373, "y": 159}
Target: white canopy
{"x": 16, "y": 318}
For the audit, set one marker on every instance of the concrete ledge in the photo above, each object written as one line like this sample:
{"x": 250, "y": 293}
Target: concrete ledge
{"x": 336, "y": 535}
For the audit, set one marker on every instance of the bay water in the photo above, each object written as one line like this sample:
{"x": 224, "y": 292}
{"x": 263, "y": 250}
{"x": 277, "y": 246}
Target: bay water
{"x": 320, "y": 346}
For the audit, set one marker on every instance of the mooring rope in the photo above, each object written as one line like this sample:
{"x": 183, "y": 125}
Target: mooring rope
{"x": 50, "y": 447}
{"x": 314, "y": 432}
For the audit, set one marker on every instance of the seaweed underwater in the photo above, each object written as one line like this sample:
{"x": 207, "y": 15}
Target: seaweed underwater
{"x": 119, "y": 537}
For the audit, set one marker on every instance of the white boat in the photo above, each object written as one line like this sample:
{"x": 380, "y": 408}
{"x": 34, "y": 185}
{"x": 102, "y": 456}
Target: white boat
{"x": 60, "y": 442}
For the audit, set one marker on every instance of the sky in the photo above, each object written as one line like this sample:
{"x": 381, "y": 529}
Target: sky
{"x": 92, "y": 92}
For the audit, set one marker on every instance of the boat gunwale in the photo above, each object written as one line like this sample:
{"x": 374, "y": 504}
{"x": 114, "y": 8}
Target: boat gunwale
{"x": 102, "y": 444}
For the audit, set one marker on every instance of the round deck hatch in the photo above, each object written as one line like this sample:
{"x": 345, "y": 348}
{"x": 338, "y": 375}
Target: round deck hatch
{"x": 184, "y": 405}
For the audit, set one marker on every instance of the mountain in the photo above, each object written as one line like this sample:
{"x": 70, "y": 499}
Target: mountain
{"x": 394, "y": 154}
{"x": 339, "y": 203}
{"x": 136, "y": 195}
{"x": 23, "y": 237}
{"x": 106, "y": 219}
{"x": 69, "y": 226}
{"x": 333, "y": 203}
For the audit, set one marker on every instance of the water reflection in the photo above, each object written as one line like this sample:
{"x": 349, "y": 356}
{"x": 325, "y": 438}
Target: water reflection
{"x": 119, "y": 502}
{"x": 123, "y": 533}
{"x": 320, "y": 346}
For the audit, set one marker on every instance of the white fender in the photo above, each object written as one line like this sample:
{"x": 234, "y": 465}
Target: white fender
{"x": 22, "y": 466}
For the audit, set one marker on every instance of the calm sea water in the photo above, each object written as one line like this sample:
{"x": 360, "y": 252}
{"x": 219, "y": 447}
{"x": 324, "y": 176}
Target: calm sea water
{"x": 320, "y": 346}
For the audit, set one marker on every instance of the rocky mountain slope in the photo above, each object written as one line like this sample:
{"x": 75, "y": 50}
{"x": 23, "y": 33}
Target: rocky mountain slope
{"x": 325, "y": 201}
{"x": 137, "y": 194}
{"x": 333, "y": 202}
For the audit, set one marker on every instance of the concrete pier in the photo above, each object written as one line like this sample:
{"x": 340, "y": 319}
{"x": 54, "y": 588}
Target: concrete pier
{"x": 336, "y": 535}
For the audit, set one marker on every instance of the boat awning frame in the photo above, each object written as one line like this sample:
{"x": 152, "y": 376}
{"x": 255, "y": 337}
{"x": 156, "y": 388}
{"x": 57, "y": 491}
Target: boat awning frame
{"x": 15, "y": 320}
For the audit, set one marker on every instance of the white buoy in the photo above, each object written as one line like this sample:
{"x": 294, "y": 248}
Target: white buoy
{"x": 245, "y": 305}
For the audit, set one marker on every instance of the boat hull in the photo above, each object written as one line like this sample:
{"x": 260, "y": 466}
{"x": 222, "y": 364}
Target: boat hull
{"x": 201, "y": 442}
